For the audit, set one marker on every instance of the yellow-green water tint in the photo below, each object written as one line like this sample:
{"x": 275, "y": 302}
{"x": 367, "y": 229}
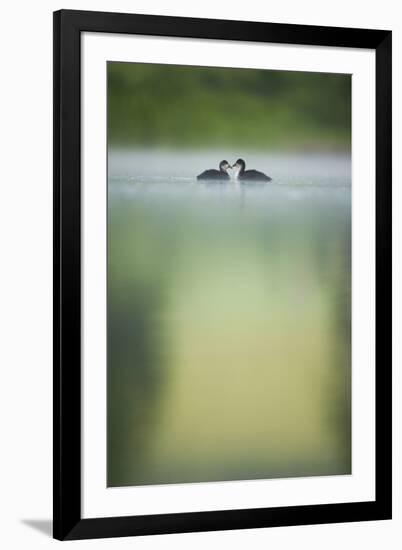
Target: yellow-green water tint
{"x": 228, "y": 328}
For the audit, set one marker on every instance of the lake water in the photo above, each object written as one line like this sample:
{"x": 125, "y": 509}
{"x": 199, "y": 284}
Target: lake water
{"x": 229, "y": 353}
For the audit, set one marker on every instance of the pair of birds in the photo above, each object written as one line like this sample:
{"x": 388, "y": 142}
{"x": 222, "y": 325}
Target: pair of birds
{"x": 240, "y": 174}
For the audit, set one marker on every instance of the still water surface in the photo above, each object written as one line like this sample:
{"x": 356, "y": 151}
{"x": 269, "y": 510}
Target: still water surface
{"x": 228, "y": 319}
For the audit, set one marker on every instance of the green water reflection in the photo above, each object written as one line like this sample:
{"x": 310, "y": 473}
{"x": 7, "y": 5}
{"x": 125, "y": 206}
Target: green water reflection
{"x": 228, "y": 329}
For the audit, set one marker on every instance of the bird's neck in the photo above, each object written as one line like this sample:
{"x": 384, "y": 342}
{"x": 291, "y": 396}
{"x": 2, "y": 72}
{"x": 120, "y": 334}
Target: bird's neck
{"x": 237, "y": 173}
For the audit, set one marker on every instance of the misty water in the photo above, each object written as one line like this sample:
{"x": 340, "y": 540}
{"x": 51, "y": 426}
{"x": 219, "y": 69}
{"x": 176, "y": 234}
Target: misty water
{"x": 228, "y": 318}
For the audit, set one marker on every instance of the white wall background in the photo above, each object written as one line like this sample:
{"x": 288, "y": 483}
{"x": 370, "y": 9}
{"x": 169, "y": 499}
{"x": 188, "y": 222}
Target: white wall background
{"x": 26, "y": 271}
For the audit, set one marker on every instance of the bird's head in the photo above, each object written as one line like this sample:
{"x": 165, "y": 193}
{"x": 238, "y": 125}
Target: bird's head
{"x": 224, "y": 165}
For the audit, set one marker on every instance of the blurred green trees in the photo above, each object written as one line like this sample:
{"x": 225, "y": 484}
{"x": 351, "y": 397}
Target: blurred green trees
{"x": 152, "y": 105}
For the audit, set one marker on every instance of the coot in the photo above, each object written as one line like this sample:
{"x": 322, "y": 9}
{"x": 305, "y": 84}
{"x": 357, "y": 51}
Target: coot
{"x": 220, "y": 174}
{"x": 249, "y": 175}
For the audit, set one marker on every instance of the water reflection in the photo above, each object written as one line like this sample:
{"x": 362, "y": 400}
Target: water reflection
{"x": 228, "y": 322}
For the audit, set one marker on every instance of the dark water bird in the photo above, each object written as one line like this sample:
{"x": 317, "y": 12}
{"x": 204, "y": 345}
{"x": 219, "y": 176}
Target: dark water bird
{"x": 221, "y": 174}
{"x": 249, "y": 175}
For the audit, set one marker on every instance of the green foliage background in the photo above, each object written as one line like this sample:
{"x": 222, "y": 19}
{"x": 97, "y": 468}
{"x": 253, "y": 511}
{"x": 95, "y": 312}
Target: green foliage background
{"x": 152, "y": 105}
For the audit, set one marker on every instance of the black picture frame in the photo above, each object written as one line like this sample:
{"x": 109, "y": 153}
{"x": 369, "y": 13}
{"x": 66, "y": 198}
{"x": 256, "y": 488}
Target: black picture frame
{"x": 68, "y": 26}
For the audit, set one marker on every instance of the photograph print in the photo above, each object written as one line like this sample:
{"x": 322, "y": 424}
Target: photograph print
{"x": 228, "y": 274}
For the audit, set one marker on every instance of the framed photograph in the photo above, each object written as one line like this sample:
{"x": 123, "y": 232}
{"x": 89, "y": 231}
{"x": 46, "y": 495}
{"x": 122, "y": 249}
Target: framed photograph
{"x": 222, "y": 274}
